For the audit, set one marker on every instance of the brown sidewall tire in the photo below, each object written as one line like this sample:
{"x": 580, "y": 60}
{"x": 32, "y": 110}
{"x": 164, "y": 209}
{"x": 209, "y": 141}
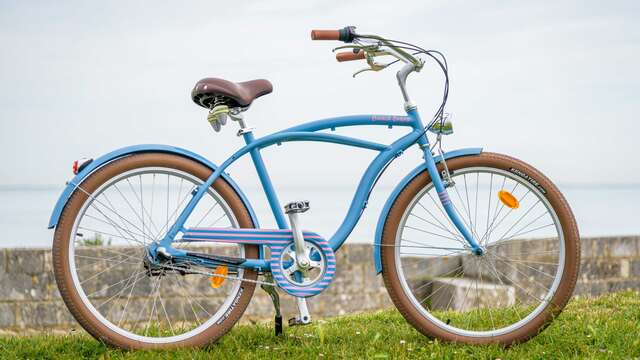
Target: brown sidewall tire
{"x": 537, "y": 324}
{"x": 65, "y": 225}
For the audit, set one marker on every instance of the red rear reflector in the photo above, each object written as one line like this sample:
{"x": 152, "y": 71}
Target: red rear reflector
{"x": 74, "y": 168}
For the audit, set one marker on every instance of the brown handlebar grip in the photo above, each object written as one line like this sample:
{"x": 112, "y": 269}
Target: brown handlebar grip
{"x": 325, "y": 34}
{"x": 349, "y": 56}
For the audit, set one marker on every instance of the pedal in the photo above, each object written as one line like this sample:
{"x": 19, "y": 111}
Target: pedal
{"x": 295, "y": 321}
{"x": 296, "y": 207}
{"x": 275, "y": 299}
{"x": 303, "y": 317}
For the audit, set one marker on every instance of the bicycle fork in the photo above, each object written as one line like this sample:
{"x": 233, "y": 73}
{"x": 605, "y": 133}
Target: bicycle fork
{"x": 445, "y": 200}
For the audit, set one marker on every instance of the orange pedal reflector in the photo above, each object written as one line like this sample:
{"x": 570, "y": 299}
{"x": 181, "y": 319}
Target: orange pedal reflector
{"x": 216, "y": 281}
{"x": 508, "y": 199}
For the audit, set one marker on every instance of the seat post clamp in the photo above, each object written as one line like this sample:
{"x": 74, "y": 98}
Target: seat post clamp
{"x": 244, "y": 130}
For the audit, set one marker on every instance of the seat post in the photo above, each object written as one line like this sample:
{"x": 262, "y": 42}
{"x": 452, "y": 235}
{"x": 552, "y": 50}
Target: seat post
{"x": 236, "y": 115}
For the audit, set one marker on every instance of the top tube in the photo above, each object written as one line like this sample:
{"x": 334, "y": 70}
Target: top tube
{"x": 354, "y": 120}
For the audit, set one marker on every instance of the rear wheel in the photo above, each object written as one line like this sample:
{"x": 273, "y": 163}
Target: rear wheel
{"x": 525, "y": 276}
{"x": 100, "y": 244}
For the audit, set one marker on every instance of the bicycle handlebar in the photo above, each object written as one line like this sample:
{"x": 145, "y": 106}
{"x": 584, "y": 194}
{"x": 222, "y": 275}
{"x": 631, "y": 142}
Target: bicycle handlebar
{"x": 346, "y": 34}
{"x": 366, "y": 47}
{"x": 349, "y": 56}
{"x": 325, "y": 34}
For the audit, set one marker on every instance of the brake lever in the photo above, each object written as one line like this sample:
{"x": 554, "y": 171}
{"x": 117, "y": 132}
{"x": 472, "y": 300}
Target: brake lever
{"x": 373, "y": 66}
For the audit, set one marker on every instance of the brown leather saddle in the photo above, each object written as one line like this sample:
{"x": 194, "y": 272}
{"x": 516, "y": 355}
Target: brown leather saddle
{"x": 236, "y": 94}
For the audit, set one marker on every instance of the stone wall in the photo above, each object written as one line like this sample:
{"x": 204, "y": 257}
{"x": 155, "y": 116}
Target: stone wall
{"x": 29, "y": 299}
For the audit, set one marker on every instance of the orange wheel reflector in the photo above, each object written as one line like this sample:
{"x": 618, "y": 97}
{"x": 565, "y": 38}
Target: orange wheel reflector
{"x": 216, "y": 281}
{"x": 508, "y": 199}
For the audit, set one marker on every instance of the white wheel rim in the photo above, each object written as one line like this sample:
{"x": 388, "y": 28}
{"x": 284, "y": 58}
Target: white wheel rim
{"x": 496, "y": 332}
{"x": 235, "y": 292}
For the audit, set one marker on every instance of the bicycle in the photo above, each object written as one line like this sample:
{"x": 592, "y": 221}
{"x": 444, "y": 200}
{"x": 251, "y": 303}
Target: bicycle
{"x": 157, "y": 247}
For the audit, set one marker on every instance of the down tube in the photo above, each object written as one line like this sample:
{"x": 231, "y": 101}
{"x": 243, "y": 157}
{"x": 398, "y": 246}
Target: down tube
{"x": 359, "y": 202}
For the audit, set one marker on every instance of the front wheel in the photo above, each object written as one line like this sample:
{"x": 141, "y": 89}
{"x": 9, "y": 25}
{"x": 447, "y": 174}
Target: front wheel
{"x": 512, "y": 291}
{"x": 100, "y": 245}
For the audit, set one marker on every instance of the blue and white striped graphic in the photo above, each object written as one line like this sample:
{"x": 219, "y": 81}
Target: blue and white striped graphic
{"x": 277, "y": 241}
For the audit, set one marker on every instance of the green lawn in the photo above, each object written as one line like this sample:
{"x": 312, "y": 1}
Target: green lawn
{"x": 605, "y": 327}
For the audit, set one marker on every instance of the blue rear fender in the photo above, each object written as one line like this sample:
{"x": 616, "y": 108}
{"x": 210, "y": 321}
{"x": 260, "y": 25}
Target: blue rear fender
{"x": 137, "y": 149}
{"x": 392, "y": 198}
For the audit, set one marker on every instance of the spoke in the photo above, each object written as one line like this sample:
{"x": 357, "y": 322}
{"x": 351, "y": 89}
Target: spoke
{"x": 457, "y": 276}
{"x": 156, "y": 289}
{"x": 529, "y": 261}
{"x": 526, "y": 232}
{"x": 129, "y": 239}
{"x": 464, "y": 302}
{"x": 166, "y": 315}
{"x": 519, "y": 287}
{"x": 103, "y": 271}
{"x": 429, "y": 222}
{"x": 124, "y": 310}
{"x": 509, "y": 212}
{"x": 429, "y": 256}
{"x": 190, "y": 302}
{"x": 439, "y": 207}
{"x": 522, "y": 228}
{"x": 124, "y": 288}
{"x": 106, "y": 233}
{"x": 495, "y": 271}
{"x": 143, "y": 210}
{"x": 175, "y": 211}
{"x": 522, "y": 217}
{"x": 184, "y": 314}
{"x": 489, "y": 201}
{"x": 207, "y": 213}
{"x": 218, "y": 219}
{"x": 168, "y": 192}
{"x": 466, "y": 208}
{"x": 463, "y": 218}
{"x": 115, "y": 186}
{"x": 524, "y": 264}
{"x": 434, "y": 234}
{"x": 443, "y": 226}
{"x": 493, "y": 324}
{"x": 153, "y": 187}
{"x": 525, "y": 276}
{"x": 475, "y": 221}
{"x": 440, "y": 275}
{"x": 106, "y": 198}
{"x": 522, "y": 253}
{"x": 179, "y": 192}
{"x": 141, "y": 201}
{"x": 421, "y": 246}
{"x": 494, "y": 227}
{"x": 105, "y": 259}
{"x": 129, "y": 256}
{"x": 496, "y": 211}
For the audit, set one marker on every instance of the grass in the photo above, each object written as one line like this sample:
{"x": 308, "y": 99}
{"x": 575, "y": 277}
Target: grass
{"x": 605, "y": 327}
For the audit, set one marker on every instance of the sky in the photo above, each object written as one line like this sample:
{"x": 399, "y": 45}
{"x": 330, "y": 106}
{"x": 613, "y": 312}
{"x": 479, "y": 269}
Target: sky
{"x": 554, "y": 83}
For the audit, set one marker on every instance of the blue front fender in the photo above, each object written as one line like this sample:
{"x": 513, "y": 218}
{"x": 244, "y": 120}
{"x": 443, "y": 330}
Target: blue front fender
{"x": 398, "y": 189}
{"x": 136, "y": 149}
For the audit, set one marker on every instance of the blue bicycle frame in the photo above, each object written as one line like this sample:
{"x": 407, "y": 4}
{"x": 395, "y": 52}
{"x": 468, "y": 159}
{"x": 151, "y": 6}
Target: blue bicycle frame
{"x": 309, "y": 132}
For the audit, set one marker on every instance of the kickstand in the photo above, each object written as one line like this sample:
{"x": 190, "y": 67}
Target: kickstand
{"x": 275, "y": 298}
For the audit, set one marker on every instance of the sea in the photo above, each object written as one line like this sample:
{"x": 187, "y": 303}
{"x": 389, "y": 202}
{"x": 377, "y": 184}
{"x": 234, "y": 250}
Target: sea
{"x": 600, "y": 210}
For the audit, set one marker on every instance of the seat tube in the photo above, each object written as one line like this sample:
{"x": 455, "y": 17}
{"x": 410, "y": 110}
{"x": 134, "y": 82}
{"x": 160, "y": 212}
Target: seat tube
{"x": 267, "y": 186}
